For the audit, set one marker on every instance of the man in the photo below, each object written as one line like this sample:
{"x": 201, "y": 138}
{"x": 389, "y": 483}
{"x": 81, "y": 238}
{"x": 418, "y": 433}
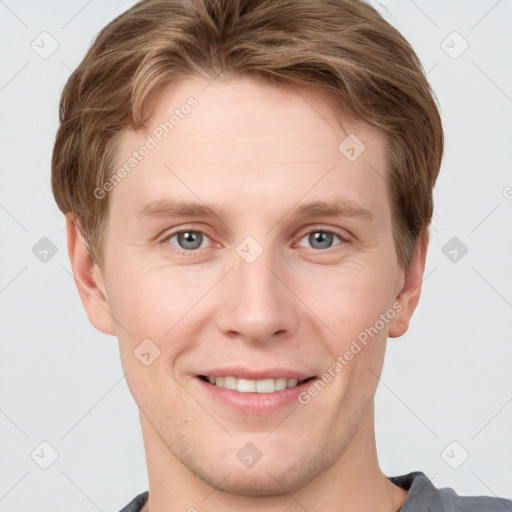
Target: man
{"x": 248, "y": 188}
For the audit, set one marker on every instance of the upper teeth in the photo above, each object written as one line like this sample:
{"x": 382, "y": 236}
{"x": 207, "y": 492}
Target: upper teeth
{"x": 253, "y": 386}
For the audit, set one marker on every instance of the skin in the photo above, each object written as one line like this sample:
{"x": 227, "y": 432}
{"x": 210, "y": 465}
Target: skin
{"x": 255, "y": 152}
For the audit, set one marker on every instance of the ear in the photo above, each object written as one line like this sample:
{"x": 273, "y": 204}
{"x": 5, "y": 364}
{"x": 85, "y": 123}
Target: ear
{"x": 409, "y": 294}
{"x": 88, "y": 279}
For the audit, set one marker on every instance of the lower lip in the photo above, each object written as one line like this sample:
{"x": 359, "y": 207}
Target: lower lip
{"x": 255, "y": 404}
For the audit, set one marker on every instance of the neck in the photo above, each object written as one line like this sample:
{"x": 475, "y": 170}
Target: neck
{"x": 353, "y": 482}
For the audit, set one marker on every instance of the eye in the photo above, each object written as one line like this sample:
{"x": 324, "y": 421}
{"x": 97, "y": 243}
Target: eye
{"x": 321, "y": 239}
{"x": 188, "y": 240}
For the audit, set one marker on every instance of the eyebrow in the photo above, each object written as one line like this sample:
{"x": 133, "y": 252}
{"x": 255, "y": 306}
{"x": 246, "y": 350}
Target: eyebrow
{"x": 334, "y": 209}
{"x": 163, "y": 208}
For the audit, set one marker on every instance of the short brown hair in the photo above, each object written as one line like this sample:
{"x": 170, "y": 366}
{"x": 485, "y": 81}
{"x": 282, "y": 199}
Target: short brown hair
{"x": 340, "y": 47}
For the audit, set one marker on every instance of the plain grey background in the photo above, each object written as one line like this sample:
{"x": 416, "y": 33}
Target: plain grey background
{"x": 444, "y": 404}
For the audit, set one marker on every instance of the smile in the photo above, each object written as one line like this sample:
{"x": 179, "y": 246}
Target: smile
{"x": 270, "y": 385}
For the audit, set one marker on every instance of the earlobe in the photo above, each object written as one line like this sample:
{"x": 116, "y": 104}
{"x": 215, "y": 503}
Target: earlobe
{"x": 88, "y": 279}
{"x": 409, "y": 295}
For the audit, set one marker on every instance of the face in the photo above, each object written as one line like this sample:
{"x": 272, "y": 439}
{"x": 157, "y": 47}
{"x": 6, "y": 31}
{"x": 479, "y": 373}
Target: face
{"x": 246, "y": 251}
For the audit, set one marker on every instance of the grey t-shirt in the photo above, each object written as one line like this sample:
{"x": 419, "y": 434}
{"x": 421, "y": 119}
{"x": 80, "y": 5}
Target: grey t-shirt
{"x": 422, "y": 497}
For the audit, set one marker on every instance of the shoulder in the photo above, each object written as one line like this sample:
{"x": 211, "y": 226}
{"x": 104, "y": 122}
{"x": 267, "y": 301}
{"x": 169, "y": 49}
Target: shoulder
{"x": 423, "y": 496}
{"x": 137, "y": 503}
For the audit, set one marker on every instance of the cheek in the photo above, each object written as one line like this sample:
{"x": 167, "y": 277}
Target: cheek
{"x": 150, "y": 307}
{"x": 156, "y": 302}
{"x": 347, "y": 300}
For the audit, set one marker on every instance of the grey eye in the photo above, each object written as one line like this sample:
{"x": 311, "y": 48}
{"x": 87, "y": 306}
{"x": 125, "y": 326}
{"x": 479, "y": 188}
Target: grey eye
{"x": 188, "y": 240}
{"x": 321, "y": 239}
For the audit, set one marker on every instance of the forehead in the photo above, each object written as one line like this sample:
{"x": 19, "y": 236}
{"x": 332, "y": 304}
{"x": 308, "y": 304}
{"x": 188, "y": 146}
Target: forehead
{"x": 237, "y": 137}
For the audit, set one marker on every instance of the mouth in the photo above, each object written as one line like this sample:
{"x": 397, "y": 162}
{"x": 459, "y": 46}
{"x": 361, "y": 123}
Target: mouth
{"x": 252, "y": 391}
{"x": 268, "y": 385}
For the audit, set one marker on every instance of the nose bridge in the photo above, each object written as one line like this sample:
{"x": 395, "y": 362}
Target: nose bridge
{"x": 256, "y": 279}
{"x": 260, "y": 305}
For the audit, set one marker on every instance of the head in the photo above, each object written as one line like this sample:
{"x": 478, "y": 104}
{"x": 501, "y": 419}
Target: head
{"x": 248, "y": 187}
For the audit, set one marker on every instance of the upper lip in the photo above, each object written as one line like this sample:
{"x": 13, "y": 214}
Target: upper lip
{"x": 255, "y": 374}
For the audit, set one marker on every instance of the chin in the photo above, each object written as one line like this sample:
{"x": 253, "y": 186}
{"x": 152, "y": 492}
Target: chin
{"x": 266, "y": 478}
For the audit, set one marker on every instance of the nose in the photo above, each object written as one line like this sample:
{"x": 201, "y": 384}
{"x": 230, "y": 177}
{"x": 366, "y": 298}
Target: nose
{"x": 256, "y": 302}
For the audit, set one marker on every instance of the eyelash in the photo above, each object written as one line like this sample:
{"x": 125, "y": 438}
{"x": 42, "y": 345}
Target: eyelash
{"x": 343, "y": 239}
